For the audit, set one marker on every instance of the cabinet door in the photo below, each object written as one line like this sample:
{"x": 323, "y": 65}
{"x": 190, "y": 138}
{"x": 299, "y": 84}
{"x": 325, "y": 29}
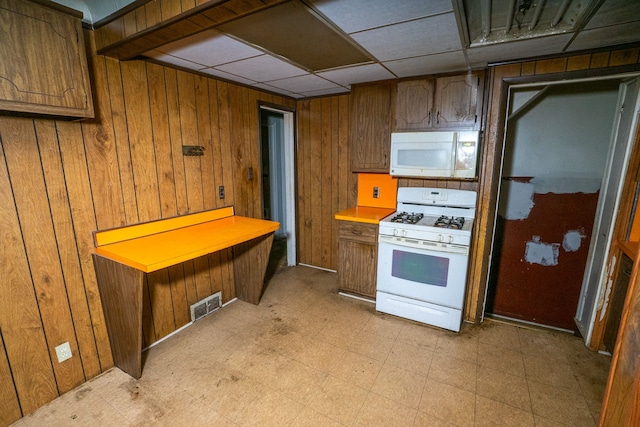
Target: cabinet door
{"x": 457, "y": 103}
{"x": 357, "y": 267}
{"x": 371, "y": 127}
{"x": 414, "y": 104}
{"x": 43, "y": 63}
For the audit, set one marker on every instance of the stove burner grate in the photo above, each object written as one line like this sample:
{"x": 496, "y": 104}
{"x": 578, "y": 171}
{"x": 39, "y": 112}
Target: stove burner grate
{"x": 456, "y": 222}
{"x": 407, "y": 218}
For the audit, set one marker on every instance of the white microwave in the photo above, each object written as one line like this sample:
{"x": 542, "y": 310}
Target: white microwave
{"x": 438, "y": 154}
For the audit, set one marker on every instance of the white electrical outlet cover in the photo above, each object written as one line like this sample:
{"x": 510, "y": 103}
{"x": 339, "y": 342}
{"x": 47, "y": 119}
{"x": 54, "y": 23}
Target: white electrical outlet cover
{"x": 63, "y": 351}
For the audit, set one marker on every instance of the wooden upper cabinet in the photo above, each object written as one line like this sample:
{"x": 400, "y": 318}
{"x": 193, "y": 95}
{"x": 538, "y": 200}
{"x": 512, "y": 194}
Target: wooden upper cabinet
{"x": 414, "y": 104}
{"x": 453, "y": 102}
{"x": 371, "y": 112}
{"x": 43, "y": 62}
{"x": 457, "y": 101}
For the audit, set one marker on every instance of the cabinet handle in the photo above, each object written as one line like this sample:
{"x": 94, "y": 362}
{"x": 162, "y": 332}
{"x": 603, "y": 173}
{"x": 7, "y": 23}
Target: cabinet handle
{"x": 475, "y": 120}
{"x": 429, "y": 117}
{"x": 356, "y": 232}
{"x": 438, "y": 118}
{"x": 385, "y": 159}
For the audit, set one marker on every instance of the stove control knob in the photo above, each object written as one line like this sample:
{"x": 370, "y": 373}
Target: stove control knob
{"x": 450, "y": 239}
{"x": 395, "y": 231}
{"x": 440, "y": 238}
{"x": 404, "y": 233}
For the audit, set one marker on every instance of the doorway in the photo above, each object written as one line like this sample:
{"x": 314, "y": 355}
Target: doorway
{"x": 278, "y": 182}
{"x": 557, "y": 141}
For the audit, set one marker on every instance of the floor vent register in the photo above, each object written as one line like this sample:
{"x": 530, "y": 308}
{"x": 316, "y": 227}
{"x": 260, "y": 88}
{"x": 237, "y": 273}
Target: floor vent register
{"x": 206, "y": 306}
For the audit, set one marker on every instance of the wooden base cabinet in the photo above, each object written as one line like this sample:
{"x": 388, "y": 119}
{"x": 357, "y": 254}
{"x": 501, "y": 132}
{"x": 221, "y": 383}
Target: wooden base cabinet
{"x": 357, "y": 258}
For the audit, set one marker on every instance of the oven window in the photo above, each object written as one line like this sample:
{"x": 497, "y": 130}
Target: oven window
{"x": 427, "y": 269}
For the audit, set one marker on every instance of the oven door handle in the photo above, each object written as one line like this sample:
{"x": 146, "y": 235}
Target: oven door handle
{"x": 423, "y": 244}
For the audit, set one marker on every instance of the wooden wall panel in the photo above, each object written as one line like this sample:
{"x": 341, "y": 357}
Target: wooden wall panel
{"x": 69, "y": 259}
{"x": 141, "y": 143}
{"x": 77, "y": 181}
{"x": 8, "y": 398}
{"x": 118, "y": 121}
{"x": 162, "y": 141}
{"x": 325, "y": 182}
{"x": 20, "y": 321}
{"x": 20, "y": 149}
{"x": 303, "y": 207}
{"x": 63, "y": 180}
{"x": 101, "y": 153}
{"x": 315, "y": 168}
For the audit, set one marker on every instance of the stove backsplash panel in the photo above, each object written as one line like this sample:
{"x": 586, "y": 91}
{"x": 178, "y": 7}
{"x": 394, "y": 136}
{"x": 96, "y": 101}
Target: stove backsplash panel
{"x": 377, "y": 190}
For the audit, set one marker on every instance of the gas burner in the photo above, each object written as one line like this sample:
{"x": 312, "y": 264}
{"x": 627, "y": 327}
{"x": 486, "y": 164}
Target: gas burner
{"x": 444, "y": 221}
{"x": 407, "y": 218}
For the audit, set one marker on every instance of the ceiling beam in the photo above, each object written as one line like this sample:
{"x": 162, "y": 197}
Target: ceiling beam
{"x": 115, "y": 40}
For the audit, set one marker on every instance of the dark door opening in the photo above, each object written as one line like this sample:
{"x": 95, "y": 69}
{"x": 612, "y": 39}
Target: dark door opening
{"x": 273, "y": 183}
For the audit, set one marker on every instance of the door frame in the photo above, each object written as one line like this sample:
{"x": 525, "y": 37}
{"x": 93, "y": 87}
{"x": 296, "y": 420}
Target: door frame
{"x": 290, "y": 178}
{"x": 602, "y": 273}
{"x": 535, "y": 81}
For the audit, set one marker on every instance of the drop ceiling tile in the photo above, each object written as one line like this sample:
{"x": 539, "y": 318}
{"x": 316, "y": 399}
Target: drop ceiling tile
{"x": 479, "y": 56}
{"x": 303, "y": 83}
{"x": 416, "y": 38}
{"x": 170, "y": 59}
{"x": 262, "y": 68}
{"x": 614, "y": 12}
{"x": 430, "y": 64}
{"x": 357, "y": 74}
{"x": 291, "y": 30}
{"x": 227, "y": 76}
{"x": 357, "y": 15}
{"x": 607, "y": 36}
{"x": 210, "y": 48}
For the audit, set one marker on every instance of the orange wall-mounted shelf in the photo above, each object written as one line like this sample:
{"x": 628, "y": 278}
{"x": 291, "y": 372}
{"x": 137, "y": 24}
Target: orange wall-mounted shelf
{"x": 151, "y": 246}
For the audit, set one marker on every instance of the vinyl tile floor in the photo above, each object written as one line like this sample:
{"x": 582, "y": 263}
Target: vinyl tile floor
{"x": 306, "y": 356}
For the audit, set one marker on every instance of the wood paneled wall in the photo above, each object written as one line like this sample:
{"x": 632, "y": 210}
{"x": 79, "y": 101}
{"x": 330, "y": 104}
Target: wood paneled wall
{"x": 325, "y": 182}
{"x": 60, "y": 181}
{"x": 568, "y": 67}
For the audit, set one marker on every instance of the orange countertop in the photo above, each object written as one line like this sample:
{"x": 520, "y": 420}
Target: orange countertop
{"x": 364, "y": 214}
{"x": 160, "y": 250}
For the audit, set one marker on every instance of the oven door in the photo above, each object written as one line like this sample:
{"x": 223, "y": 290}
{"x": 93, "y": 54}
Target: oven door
{"x": 431, "y": 272}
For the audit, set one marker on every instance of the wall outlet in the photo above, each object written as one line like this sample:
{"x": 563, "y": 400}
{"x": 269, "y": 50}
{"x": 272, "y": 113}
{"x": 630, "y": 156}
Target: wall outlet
{"x": 64, "y": 352}
{"x": 376, "y": 192}
{"x": 221, "y": 192}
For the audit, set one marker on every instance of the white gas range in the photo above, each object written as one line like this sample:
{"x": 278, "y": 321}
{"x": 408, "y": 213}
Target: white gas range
{"x": 423, "y": 255}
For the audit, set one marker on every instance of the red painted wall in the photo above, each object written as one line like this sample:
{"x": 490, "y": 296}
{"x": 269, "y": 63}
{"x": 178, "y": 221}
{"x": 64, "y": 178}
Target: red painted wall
{"x": 542, "y": 294}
